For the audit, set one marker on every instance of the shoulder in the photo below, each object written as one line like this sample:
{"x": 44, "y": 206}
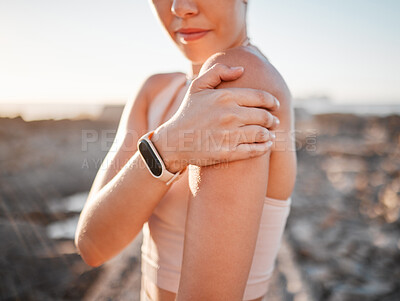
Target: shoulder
{"x": 138, "y": 103}
{"x": 255, "y": 65}
{"x": 134, "y": 115}
{"x": 158, "y": 81}
{"x": 260, "y": 74}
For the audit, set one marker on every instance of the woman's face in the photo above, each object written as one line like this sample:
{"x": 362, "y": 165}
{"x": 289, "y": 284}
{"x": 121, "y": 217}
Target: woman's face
{"x": 225, "y": 21}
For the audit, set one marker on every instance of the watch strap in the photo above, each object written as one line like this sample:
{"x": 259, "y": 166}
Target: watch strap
{"x": 166, "y": 176}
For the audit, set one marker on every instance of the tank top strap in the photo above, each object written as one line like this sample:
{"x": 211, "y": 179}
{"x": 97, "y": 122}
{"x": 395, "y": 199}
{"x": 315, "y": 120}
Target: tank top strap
{"x": 162, "y": 102}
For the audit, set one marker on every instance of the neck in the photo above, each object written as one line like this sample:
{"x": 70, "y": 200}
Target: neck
{"x": 197, "y": 67}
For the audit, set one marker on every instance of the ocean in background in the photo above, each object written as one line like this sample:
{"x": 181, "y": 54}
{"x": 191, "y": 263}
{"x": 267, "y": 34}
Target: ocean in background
{"x": 56, "y": 111}
{"x": 43, "y": 111}
{"x": 325, "y": 106}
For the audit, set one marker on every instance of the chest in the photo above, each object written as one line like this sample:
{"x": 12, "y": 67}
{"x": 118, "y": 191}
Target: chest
{"x": 165, "y": 104}
{"x": 174, "y": 104}
{"x": 173, "y": 206}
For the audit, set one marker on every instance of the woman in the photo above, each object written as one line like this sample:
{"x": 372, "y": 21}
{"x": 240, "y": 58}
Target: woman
{"x": 214, "y": 233}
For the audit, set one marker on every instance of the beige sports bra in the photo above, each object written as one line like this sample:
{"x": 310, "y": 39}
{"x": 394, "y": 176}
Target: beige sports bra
{"x": 163, "y": 233}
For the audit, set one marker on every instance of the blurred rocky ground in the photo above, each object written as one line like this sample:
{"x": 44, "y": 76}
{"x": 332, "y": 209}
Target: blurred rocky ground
{"x": 345, "y": 220}
{"x": 342, "y": 240}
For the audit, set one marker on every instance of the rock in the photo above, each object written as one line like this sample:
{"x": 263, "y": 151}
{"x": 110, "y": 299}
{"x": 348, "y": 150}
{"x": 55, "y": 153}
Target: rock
{"x": 342, "y": 231}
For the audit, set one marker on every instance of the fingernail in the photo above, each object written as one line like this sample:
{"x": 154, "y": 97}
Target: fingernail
{"x": 273, "y": 135}
{"x": 237, "y": 68}
{"x": 278, "y": 104}
{"x": 277, "y": 121}
{"x": 269, "y": 144}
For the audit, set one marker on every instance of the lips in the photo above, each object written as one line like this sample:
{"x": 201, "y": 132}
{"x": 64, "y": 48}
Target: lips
{"x": 190, "y": 30}
{"x": 191, "y": 34}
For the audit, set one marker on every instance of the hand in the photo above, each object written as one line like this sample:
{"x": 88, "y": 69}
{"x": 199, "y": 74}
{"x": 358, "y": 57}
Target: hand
{"x": 217, "y": 125}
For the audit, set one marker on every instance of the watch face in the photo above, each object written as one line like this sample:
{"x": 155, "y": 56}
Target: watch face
{"x": 150, "y": 158}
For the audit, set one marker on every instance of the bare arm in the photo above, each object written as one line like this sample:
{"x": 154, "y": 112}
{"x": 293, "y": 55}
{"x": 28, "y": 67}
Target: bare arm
{"x": 224, "y": 210}
{"x": 116, "y": 210}
{"x": 124, "y": 194}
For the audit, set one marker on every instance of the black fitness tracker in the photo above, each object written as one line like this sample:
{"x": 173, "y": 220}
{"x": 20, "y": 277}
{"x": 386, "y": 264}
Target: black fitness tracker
{"x": 154, "y": 162}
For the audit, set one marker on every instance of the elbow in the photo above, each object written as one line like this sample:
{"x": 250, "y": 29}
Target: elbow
{"x": 87, "y": 251}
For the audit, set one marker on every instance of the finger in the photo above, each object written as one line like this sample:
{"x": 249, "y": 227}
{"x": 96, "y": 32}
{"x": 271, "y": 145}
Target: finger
{"x": 245, "y": 150}
{"x": 257, "y": 116}
{"x": 276, "y": 124}
{"x": 253, "y": 133}
{"x": 214, "y": 76}
{"x": 248, "y": 97}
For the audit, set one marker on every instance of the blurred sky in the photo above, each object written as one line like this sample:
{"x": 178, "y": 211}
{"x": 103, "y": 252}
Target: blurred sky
{"x": 96, "y": 51}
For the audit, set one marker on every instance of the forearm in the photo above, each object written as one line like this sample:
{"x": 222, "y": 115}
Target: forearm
{"x": 117, "y": 212}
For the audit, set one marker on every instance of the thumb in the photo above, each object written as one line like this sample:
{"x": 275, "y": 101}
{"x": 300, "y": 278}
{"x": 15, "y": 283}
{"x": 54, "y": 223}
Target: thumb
{"x": 215, "y": 75}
